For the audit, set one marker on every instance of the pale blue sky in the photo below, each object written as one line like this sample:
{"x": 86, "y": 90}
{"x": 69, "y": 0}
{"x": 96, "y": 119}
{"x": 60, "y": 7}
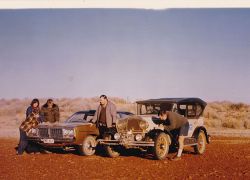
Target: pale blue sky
{"x": 126, "y": 53}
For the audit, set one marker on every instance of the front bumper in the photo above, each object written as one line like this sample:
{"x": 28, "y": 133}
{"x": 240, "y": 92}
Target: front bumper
{"x": 56, "y": 143}
{"x": 126, "y": 143}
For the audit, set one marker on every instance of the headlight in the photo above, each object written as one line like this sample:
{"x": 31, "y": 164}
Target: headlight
{"x": 121, "y": 125}
{"x": 68, "y": 133}
{"x": 117, "y": 136}
{"x": 143, "y": 125}
{"x": 33, "y": 132}
{"x": 138, "y": 137}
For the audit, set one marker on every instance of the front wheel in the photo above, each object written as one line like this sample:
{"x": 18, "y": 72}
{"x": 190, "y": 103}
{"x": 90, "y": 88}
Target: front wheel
{"x": 161, "y": 147}
{"x": 88, "y": 146}
{"x": 111, "y": 151}
{"x": 201, "y": 143}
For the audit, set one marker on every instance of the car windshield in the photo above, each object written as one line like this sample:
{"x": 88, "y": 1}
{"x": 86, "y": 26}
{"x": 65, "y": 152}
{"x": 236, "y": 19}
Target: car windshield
{"x": 148, "y": 108}
{"x": 79, "y": 118}
{"x": 124, "y": 114}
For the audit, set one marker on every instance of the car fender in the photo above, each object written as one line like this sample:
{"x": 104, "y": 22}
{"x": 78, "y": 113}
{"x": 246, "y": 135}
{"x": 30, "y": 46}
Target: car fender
{"x": 155, "y": 132}
{"x": 197, "y": 131}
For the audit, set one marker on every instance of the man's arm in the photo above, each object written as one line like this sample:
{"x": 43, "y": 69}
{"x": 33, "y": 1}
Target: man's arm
{"x": 41, "y": 115}
{"x": 57, "y": 114}
{"x": 113, "y": 113}
{"x": 95, "y": 116}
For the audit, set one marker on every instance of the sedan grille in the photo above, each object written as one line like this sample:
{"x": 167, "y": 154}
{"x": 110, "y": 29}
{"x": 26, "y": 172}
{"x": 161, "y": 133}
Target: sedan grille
{"x": 43, "y": 133}
{"x": 54, "y": 133}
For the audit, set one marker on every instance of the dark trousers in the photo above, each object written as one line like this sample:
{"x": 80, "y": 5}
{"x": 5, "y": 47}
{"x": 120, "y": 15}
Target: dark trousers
{"x": 103, "y": 130}
{"x": 24, "y": 145}
{"x": 23, "y": 142}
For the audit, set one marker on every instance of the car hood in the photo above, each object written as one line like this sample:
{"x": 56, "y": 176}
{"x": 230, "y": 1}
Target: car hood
{"x": 132, "y": 123}
{"x": 152, "y": 125}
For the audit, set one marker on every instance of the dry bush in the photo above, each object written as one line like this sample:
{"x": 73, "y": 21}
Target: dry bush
{"x": 227, "y": 114}
{"x": 216, "y": 114}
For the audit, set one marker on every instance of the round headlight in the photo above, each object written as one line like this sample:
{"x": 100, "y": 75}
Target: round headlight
{"x": 143, "y": 125}
{"x": 117, "y": 136}
{"x": 138, "y": 137}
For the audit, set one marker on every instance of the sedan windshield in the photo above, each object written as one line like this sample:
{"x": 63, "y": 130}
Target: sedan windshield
{"x": 77, "y": 118}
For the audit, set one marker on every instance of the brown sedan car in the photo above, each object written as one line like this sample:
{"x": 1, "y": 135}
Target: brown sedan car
{"x": 76, "y": 132}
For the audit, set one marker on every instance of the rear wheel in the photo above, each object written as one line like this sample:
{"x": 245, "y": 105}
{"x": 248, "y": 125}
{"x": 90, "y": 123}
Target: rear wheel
{"x": 88, "y": 146}
{"x": 161, "y": 147}
{"x": 111, "y": 151}
{"x": 201, "y": 143}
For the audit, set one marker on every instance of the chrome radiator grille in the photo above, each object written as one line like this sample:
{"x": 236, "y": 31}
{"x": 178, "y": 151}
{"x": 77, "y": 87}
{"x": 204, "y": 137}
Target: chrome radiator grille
{"x": 55, "y": 133}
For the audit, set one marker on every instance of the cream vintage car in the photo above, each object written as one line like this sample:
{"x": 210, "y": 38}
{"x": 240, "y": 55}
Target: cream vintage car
{"x": 146, "y": 132}
{"x": 77, "y": 132}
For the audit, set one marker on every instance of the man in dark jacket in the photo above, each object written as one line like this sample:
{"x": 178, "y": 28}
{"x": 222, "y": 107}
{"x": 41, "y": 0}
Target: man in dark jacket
{"x": 105, "y": 115}
{"x": 50, "y": 112}
{"x": 175, "y": 121}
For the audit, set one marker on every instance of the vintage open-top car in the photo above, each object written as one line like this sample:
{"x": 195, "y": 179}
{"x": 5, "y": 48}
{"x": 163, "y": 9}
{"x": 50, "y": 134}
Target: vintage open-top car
{"x": 145, "y": 131}
{"x": 76, "y": 132}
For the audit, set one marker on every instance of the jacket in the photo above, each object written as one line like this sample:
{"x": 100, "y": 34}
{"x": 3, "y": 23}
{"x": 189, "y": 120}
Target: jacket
{"x": 30, "y": 110}
{"x": 174, "y": 121}
{"x": 111, "y": 114}
{"x": 50, "y": 114}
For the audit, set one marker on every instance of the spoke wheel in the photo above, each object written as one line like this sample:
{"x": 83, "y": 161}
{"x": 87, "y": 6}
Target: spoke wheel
{"x": 161, "y": 146}
{"x": 201, "y": 143}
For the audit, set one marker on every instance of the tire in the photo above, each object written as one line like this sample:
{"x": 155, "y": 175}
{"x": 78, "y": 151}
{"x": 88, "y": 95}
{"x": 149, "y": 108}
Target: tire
{"x": 111, "y": 151}
{"x": 161, "y": 147}
{"x": 88, "y": 146}
{"x": 201, "y": 143}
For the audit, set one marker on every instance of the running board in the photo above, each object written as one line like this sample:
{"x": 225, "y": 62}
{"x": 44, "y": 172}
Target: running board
{"x": 190, "y": 141}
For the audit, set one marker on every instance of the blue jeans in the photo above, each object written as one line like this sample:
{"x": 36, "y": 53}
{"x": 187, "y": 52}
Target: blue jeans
{"x": 23, "y": 143}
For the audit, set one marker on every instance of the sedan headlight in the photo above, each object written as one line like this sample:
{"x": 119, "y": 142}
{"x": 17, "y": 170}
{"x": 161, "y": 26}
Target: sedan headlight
{"x": 68, "y": 133}
{"x": 143, "y": 125}
{"x": 33, "y": 132}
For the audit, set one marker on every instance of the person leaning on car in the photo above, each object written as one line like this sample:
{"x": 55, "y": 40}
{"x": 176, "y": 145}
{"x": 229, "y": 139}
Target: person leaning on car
{"x": 50, "y": 112}
{"x": 175, "y": 121}
{"x": 23, "y": 142}
{"x": 105, "y": 115}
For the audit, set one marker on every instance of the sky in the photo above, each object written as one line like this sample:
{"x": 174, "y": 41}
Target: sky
{"x": 128, "y": 53}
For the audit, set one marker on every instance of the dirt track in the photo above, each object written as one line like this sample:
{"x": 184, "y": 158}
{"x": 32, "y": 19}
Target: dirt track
{"x": 227, "y": 158}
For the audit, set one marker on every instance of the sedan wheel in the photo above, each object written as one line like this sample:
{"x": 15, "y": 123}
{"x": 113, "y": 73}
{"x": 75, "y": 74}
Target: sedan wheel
{"x": 88, "y": 146}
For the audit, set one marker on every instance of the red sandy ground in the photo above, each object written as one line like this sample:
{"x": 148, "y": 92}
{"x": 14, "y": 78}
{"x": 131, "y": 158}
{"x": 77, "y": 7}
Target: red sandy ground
{"x": 225, "y": 158}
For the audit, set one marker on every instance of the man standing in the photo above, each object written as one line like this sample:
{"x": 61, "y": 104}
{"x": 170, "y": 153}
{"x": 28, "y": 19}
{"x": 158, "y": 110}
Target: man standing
{"x": 50, "y": 112}
{"x": 105, "y": 115}
{"x": 175, "y": 121}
